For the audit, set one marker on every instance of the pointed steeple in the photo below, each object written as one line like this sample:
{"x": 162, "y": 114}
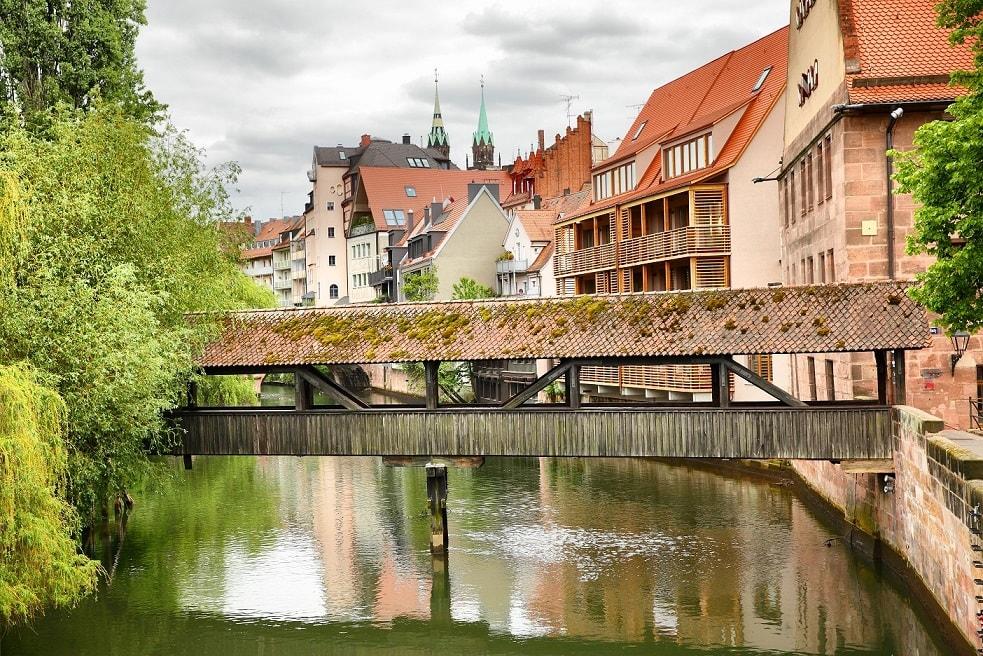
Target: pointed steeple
{"x": 483, "y": 144}
{"x": 437, "y": 139}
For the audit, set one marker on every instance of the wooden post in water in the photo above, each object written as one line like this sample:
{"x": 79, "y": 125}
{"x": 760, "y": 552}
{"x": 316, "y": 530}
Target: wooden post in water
{"x": 880, "y": 359}
{"x": 900, "y": 396}
{"x": 431, "y": 371}
{"x": 437, "y": 504}
{"x": 572, "y": 379}
{"x": 440, "y": 592}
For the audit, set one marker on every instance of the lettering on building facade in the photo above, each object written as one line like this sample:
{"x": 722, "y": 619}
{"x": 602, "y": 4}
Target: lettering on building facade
{"x": 802, "y": 9}
{"x": 808, "y": 82}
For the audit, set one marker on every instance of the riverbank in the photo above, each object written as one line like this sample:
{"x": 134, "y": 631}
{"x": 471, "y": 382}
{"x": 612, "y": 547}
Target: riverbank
{"x": 919, "y": 531}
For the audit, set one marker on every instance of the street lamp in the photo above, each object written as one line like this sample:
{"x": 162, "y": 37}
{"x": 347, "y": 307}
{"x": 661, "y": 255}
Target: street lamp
{"x": 960, "y": 342}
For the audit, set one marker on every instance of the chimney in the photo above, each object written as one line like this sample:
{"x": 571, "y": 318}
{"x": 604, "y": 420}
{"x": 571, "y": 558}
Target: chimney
{"x": 542, "y": 139}
{"x": 537, "y": 202}
{"x": 436, "y": 209}
{"x": 406, "y": 139}
{"x": 409, "y": 222}
{"x": 366, "y": 140}
{"x": 589, "y": 115}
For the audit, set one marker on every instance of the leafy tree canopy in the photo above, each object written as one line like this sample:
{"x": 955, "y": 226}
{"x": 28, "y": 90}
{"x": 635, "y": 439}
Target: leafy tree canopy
{"x": 72, "y": 52}
{"x": 470, "y": 289}
{"x": 942, "y": 173}
{"x": 421, "y": 286}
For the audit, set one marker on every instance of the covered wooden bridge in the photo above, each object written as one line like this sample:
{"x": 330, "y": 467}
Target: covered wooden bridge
{"x": 695, "y": 327}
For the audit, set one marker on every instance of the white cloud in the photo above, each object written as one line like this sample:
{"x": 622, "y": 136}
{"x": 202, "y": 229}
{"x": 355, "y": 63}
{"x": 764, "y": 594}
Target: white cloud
{"x": 262, "y": 81}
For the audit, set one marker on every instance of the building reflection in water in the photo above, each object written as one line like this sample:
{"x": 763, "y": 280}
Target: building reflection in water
{"x": 616, "y": 550}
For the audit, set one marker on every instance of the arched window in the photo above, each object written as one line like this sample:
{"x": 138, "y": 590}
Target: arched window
{"x": 333, "y": 291}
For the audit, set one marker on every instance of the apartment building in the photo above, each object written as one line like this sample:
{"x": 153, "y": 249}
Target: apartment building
{"x": 863, "y": 76}
{"x": 326, "y": 253}
{"x": 675, "y": 207}
{"x": 268, "y": 258}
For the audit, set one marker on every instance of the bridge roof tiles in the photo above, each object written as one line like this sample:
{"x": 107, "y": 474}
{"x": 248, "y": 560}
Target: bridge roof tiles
{"x": 821, "y": 319}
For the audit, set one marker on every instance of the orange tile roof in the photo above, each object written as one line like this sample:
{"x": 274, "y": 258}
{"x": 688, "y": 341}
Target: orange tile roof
{"x": 825, "y": 319}
{"x": 538, "y": 224}
{"x": 699, "y": 99}
{"x": 901, "y": 53}
{"x": 256, "y": 253}
{"x": 386, "y": 188}
{"x": 541, "y": 259}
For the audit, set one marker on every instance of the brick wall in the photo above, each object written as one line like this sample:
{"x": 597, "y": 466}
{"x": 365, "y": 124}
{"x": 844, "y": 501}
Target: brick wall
{"x": 926, "y": 520}
{"x": 567, "y": 163}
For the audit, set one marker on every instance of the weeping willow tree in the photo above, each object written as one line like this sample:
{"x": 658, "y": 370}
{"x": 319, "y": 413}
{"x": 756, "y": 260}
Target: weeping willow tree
{"x": 40, "y": 562}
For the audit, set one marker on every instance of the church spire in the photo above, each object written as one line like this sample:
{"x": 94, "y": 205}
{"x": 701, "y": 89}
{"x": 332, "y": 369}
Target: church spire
{"x": 483, "y": 145}
{"x": 437, "y": 139}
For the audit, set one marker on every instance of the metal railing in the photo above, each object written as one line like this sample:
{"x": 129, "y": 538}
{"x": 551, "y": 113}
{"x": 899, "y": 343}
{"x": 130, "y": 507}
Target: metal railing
{"x": 381, "y": 276}
{"x": 976, "y": 413}
{"x": 595, "y": 258}
{"x": 511, "y": 266}
{"x": 681, "y": 242}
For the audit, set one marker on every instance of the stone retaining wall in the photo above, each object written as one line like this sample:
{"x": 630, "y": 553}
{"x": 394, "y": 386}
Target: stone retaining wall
{"x": 927, "y": 520}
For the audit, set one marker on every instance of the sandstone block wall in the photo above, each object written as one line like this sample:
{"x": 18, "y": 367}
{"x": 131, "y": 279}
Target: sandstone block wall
{"x": 928, "y": 521}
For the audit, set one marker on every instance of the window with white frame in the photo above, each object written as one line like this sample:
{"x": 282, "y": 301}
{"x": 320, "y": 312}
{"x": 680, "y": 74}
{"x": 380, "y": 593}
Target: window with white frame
{"x": 689, "y": 156}
{"x": 616, "y": 181}
{"x": 394, "y": 217}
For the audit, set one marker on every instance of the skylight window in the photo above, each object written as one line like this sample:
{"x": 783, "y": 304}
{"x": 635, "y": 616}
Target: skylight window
{"x": 410, "y": 192}
{"x": 342, "y": 155}
{"x": 638, "y": 132}
{"x": 394, "y": 217}
{"x": 418, "y": 162}
{"x": 761, "y": 80}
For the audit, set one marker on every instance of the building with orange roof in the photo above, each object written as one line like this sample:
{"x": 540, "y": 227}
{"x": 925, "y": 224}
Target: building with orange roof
{"x": 261, "y": 258}
{"x": 390, "y": 203}
{"x": 456, "y": 238}
{"x": 675, "y": 207}
{"x": 863, "y": 76}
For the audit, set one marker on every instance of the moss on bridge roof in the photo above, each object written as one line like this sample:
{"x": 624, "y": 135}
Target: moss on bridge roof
{"x": 817, "y": 319}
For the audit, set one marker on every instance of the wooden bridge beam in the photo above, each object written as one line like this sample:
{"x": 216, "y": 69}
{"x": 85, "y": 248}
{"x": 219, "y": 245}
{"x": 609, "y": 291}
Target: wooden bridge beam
{"x": 900, "y": 396}
{"x": 537, "y": 386}
{"x": 761, "y": 383}
{"x": 572, "y": 382}
{"x": 313, "y": 376}
{"x": 431, "y": 371}
{"x": 880, "y": 360}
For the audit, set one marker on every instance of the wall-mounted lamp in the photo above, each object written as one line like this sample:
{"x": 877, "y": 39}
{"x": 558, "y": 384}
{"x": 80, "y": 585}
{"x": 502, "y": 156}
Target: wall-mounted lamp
{"x": 960, "y": 342}
{"x": 887, "y": 483}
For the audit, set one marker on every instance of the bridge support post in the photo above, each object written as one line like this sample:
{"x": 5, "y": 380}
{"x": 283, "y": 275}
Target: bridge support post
{"x": 720, "y": 377}
{"x": 437, "y": 505}
{"x": 880, "y": 359}
{"x": 573, "y": 386}
{"x": 899, "y": 378}
{"x": 431, "y": 371}
{"x": 303, "y": 393}
{"x": 187, "y": 461}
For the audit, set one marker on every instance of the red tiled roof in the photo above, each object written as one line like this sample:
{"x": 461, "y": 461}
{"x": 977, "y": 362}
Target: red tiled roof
{"x": 901, "y": 53}
{"x": 538, "y": 224}
{"x": 698, "y": 100}
{"x": 825, "y": 319}
{"x": 541, "y": 259}
{"x": 256, "y": 253}
{"x": 386, "y": 188}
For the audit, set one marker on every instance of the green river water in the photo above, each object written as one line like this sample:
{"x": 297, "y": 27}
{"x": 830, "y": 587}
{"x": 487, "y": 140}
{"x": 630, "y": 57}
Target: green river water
{"x": 284, "y": 556}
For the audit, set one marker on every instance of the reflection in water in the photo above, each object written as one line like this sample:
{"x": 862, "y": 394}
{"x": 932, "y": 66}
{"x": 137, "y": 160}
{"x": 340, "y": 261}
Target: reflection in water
{"x": 330, "y": 555}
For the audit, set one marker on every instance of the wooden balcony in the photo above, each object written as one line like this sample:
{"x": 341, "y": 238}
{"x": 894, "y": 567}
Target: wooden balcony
{"x": 585, "y": 260}
{"x": 682, "y": 242}
{"x": 672, "y": 378}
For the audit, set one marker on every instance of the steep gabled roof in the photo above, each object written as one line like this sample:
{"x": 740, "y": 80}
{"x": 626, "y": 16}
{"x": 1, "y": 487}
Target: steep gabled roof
{"x": 698, "y": 100}
{"x": 541, "y": 259}
{"x": 538, "y": 224}
{"x": 386, "y": 188}
{"x": 331, "y": 155}
{"x": 895, "y": 52}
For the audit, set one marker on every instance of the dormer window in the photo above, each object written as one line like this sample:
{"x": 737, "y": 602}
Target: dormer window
{"x": 342, "y": 155}
{"x": 638, "y": 132}
{"x": 616, "y": 181}
{"x": 761, "y": 80}
{"x": 394, "y": 217}
{"x": 688, "y": 156}
{"x": 418, "y": 163}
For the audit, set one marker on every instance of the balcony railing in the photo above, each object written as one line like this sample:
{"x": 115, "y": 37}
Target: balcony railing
{"x": 512, "y": 266}
{"x": 381, "y": 276}
{"x": 673, "y": 378}
{"x": 975, "y": 413}
{"x": 595, "y": 258}
{"x": 282, "y": 282}
{"x": 681, "y": 242}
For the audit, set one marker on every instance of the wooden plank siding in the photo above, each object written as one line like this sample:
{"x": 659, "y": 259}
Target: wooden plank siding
{"x": 793, "y": 433}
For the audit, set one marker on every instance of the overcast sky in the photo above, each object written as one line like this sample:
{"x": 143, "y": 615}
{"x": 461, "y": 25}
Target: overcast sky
{"x": 262, "y": 81}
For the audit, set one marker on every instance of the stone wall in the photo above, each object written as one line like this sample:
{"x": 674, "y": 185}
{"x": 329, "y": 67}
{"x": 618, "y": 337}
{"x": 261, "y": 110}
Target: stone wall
{"x": 926, "y": 520}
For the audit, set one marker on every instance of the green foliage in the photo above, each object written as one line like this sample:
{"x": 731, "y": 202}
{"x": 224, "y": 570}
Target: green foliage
{"x": 40, "y": 563}
{"x": 120, "y": 240}
{"x": 421, "y": 286}
{"x": 73, "y": 52}
{"x": 469, "y": 289}
{"x": 226, "y": 391}
{"x": 942, "y": 173}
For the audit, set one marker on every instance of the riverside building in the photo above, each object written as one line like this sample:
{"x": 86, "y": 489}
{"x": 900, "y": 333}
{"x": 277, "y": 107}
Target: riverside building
{"x": 862, "y": 77}
{"x": 675, "y": 208}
